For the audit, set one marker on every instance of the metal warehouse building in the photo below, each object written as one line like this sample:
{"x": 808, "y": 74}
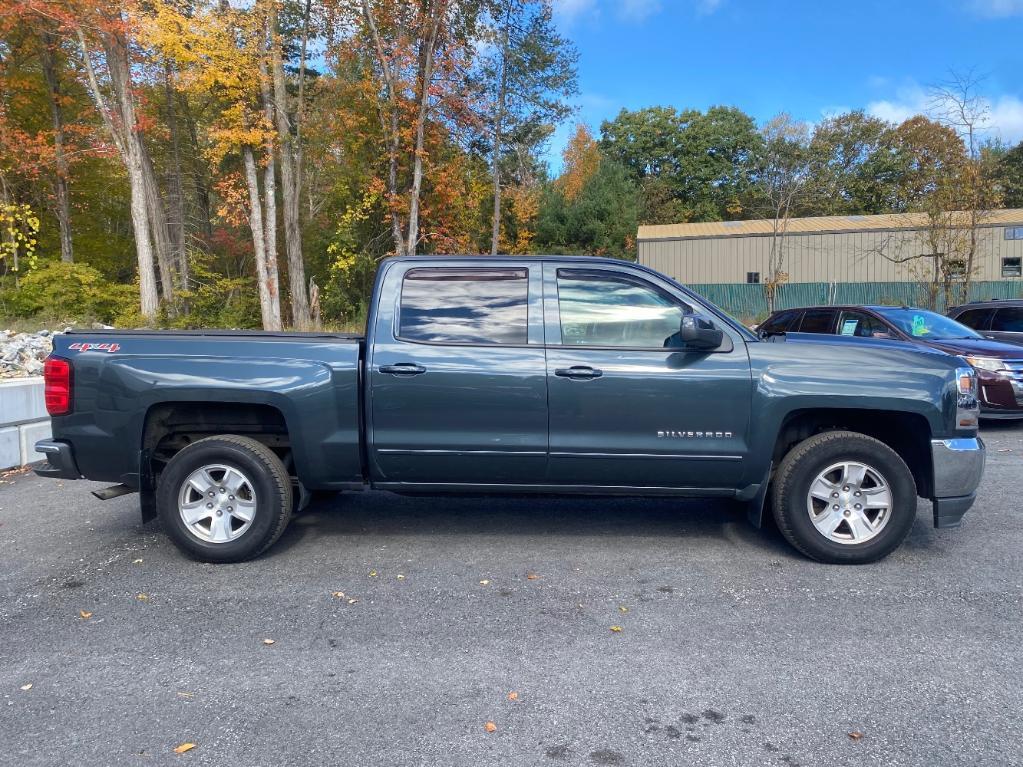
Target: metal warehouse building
{"x": 831, "y": 259}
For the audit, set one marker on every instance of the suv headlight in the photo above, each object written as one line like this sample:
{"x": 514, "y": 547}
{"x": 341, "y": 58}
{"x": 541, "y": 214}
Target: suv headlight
{"x": 967, "y": 405}
{"x": 986, "y": 363}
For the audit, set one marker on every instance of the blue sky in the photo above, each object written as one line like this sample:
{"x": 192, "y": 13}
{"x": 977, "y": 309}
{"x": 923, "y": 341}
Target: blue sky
{"x": 809, "y": 58}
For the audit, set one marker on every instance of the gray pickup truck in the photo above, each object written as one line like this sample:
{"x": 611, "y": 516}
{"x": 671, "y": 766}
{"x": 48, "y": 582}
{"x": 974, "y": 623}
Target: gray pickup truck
{"x": 544, "y": 375}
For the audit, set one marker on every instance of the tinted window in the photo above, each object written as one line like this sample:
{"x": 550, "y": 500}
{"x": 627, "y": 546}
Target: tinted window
{"x": 603, "y": 309}
{"x": 1008, "y": 320}
{"x": 464, "y": 306}
{"x": 975, "y": 318}
{"x": 816, "y": 321}
{"x": 862, "y": 325}
{"x": 778, "y": 323}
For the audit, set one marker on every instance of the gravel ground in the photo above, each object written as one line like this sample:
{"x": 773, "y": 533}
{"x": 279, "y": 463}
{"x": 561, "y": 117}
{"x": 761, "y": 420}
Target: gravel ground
{"x": 733, "y": 650}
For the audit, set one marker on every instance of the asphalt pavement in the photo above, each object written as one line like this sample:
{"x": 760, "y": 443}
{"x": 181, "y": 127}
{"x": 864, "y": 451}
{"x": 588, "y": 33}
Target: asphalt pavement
{"x": 584, "y": 631}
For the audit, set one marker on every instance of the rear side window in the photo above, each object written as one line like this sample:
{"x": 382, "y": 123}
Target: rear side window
{"x": 464, "y": 306}
{"x": 975, "y": 318}
{"x": 1008, "y": 320}
{"x": 816, "y": 321}
{"x": 778, "y": 324}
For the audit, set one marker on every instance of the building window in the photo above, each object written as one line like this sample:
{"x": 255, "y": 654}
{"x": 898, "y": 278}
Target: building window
{"x": 752, "y": 278}
{"x": 1011, "y": 267}
{"x": 1014, "y": 232}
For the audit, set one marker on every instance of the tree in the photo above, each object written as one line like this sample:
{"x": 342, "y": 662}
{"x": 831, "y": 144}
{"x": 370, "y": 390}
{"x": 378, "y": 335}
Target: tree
{"x": 782, "y": 176}
{"x": 1009, "y": 170}
{"x": 527, "y": 79}
{"x": 581, "y": 160}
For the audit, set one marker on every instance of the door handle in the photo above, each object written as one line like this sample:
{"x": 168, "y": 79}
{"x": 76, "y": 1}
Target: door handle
{"x": 579, "y": 373}
{"x": 402, "y": 369}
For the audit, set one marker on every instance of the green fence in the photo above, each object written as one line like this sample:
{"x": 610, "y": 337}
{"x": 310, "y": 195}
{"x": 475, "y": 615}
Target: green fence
{"x": 748, "y": 302}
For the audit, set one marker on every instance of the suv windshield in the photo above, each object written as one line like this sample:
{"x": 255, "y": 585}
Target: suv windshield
{"x": 920, "y": 323}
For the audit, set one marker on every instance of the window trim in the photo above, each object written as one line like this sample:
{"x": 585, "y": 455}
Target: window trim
{"x": 1018, "y": 267}
{"x": 468, "y": 273}
{"x": 987, "y": 311}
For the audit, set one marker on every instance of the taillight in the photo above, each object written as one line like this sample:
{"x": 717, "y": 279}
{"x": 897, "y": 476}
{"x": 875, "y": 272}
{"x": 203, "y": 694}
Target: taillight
{"x": 57, "y": 385}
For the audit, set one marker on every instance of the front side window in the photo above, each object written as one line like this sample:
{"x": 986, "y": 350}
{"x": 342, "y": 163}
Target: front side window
{"x": 1009, "y": 320}
{"x": 604, "y": 309}
{"x": 817, "y": 321}
{"x": 862, "y": 325}
{"x": 464, "y": 306}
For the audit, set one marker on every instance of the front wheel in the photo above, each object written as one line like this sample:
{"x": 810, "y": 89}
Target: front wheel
{"x": 225, "y": 498}
{"x": 844, "y": 498}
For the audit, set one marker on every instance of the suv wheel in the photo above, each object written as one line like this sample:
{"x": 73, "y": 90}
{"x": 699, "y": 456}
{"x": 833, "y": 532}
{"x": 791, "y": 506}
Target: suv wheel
{"x": 844, "y": 498}
{"x": 225, "y": 498}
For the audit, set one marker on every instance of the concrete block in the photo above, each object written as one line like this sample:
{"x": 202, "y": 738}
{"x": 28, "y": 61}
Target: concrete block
{"x": 10, "y": 447}
{"x": 21, "y": 401}
{"x": 30, "y": 434}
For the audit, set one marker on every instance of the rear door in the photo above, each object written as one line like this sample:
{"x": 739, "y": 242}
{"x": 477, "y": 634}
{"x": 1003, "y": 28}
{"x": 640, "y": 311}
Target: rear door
{"x": 629, "y": 406}
{"x": 818, "y": 321}
{"x": 458, "y": 389}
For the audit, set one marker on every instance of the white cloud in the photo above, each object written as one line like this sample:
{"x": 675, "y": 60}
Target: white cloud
{"x": 568, "y": 11}
{"x": 909, "y": 101}
{"x": 997, "y": 8}
{"x": 707, "y": 7}
{"x": 638, "y": 10}
{"x": 1004, "y": 120}
{"x": 1007, "y": 119}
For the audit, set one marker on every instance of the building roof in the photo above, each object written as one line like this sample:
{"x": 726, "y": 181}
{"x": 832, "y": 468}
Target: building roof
{"x": 815, "y": 225}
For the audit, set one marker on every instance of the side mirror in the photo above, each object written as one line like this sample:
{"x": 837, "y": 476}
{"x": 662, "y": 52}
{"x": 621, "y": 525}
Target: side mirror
{"x": 699, "y": 333}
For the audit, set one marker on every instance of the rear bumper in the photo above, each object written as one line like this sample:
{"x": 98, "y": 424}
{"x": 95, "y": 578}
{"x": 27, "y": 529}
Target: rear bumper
{"x": 60, "y": 460}
{"x": 958, "y": 469}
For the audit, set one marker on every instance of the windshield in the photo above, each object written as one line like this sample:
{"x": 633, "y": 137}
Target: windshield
{"x": 920, "y": 323}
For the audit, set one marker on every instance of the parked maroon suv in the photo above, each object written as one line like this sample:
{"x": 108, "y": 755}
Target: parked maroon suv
{"x": 999, "y": 365}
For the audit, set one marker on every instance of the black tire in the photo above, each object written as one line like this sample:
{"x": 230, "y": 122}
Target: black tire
{"x": 802, "y": 465}
{"x": 270, "y": 481}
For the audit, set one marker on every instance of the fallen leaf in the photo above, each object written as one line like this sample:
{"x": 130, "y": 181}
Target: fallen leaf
{"x": 184, "y": 747}
{"x": 490, "y": 727}
{"x": 484, "y": 583}
{"x": 513, "y": 696}
{"x": 616, "y": 629}
{"x": 137, "y": 561}
{"x": 142, "y": 597}
{"x": 84, "y": 615}
{"x": 856, "y": 735}
{"x": 185, "y": 694}
{"x": 268, "y": 641}
{"x": 401, "y": 577}
{"x": 1004, "y": 450}
{"x": 352, "y": 601}
{"x": 338, "y": 594}
{"x": 26, "y": 687}
{"x": 623, "y": 609}
{"x": 532, "y": 577}
{"x": 372, "y": 573}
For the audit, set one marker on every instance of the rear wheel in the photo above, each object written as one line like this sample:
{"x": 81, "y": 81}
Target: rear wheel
{"x": 844, "y": 498}
{"x": 225, "y": 498}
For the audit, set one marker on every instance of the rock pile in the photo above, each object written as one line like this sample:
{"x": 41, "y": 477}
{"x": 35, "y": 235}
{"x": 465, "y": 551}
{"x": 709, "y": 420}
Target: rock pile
{"x": 22, "y": 354}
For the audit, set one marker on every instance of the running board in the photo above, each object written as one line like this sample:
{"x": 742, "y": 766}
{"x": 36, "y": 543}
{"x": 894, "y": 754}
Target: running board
{"x": 114, "y": 491}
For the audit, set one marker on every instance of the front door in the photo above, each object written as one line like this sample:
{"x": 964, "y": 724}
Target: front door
{"x": 458, "y": 391}
{"x": 629, "y": 404}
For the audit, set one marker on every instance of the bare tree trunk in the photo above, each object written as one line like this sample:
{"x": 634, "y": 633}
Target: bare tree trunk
{"x": 157, "y": 219}
{"x": 48, "y": 45}
{"x": 121, "y": 130}
{"x": 269, "y": 300}
{"x": 290, "y": 191}
{"x": 177, "y": 197}
{"x": 390, "y": 128}
{"x": 502, "y": 95}
{"x": 426, "y": 76}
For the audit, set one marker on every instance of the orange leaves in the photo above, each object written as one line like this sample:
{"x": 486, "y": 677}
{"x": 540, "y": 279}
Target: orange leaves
{"x": 184, "y": 747}
{"x": 490, "y": 727}
{"x": 581, "y": 160}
